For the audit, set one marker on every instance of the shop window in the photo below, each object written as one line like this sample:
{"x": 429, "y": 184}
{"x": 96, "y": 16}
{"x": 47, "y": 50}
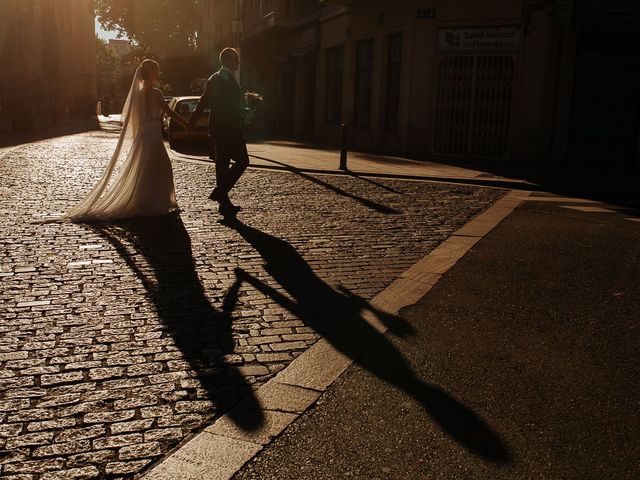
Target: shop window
{"x": 364, "y": 73}
{"x": 333, "y": 98}
{"x": 394, "y": 72}
{"x": 473, "y": 105}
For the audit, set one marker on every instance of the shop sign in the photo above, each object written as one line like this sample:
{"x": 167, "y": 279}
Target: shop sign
{"x": 479, "y": 39}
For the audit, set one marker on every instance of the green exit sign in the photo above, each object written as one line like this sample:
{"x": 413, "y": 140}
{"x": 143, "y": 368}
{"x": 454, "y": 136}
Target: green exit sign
{"x": 426, "y": 13}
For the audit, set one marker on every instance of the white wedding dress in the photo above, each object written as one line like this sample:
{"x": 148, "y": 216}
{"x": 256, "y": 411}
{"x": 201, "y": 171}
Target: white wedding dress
{"x": 144, "y": 186}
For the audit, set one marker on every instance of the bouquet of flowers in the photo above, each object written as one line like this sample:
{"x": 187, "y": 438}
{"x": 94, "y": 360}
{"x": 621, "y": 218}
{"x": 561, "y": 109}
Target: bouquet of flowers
{"x": 252, "y": 99}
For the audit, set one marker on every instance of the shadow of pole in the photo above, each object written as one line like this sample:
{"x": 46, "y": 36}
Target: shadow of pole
{"x": 378, "y": 207}
{"x": 158, "y": 251}
{"x": 338, "y": 318}
{"x": 363, "y": 178}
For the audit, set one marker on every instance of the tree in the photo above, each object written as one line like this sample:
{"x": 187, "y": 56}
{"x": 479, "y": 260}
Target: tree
{"x": 164, "y": 26}
{"x": 168, "y": 28}
{"x": 106, "y": 65}
{"x": 115, "y": 72}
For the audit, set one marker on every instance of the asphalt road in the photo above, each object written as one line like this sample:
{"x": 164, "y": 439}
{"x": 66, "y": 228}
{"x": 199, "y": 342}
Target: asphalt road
{"x": 529, "y": 353}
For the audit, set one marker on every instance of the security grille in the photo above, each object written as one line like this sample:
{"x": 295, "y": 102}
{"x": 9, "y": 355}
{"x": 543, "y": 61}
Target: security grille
{"x": 606, "y": 107}
{"x": 473, "y": 105}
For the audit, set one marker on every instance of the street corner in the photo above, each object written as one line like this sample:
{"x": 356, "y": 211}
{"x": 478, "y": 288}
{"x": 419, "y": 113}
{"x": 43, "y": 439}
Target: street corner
{"x": 122, "y": 340}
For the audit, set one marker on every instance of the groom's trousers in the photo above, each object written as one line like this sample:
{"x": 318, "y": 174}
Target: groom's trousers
{"x": 229, "y": 144}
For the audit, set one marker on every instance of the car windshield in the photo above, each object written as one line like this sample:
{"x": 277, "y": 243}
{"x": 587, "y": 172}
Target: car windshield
{"x": 188, "y": 106}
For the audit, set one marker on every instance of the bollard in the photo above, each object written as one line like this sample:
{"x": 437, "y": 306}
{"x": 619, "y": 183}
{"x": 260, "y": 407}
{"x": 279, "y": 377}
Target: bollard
{"x": 343, "y": 147}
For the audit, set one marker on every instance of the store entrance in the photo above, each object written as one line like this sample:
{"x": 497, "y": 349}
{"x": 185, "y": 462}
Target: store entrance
{"x": 473, "y": 105}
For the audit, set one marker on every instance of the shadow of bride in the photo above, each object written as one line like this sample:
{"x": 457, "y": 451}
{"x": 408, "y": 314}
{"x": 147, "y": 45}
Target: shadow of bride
{"x": 158, "y": 251}
{"x": 338, "y": 317}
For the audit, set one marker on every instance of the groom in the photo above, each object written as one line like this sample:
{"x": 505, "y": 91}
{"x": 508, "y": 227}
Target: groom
{"x": 227, "y": 111}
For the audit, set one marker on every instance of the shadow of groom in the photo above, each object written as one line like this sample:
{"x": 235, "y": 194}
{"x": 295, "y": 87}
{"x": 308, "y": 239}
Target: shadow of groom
{"x": 338, "y": 317}
{"x": 158, "y": 251}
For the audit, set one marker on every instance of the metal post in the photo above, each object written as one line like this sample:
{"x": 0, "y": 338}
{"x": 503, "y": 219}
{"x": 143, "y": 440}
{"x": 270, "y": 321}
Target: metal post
{"x": 344, "y": 146}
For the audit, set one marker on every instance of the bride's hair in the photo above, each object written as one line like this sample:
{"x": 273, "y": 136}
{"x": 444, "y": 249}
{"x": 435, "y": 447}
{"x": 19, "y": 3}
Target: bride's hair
{"x": 147, "y": 66}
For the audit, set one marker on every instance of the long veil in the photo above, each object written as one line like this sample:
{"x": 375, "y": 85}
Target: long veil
{"x": 133, "y": 116}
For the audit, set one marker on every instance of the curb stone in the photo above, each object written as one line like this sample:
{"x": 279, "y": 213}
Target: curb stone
{"x": 222, "y": 449}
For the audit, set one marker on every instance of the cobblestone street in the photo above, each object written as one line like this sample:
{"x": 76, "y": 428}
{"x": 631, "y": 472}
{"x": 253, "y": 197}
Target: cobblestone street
{"x": 118, "y": 341}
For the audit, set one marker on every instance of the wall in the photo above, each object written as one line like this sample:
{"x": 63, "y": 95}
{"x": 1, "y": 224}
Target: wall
{"x": 48, "y": 58}
{"x": 282, "y": 50}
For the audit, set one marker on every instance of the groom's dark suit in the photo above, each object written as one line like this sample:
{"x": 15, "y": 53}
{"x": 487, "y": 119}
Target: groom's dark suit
{"x": 226, "y": 119}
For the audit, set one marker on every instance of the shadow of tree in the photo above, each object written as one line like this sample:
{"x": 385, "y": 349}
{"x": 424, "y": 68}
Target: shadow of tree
{"x": 158, "y": 251}
{"x": 338, "y": 317}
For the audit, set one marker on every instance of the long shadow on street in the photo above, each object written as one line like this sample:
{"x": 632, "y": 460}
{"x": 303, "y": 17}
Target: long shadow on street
{"x": 158, "y": 251}
{"x": 198, "y": 149}
{"x": 338, "y": 317}
{"x": 378, "y": 207}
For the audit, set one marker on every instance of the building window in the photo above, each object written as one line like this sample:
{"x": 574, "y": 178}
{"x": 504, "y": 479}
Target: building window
{"x": 335, "y": 60}
{"x": 394, "y": 71}
{"x": 364, "y": 73}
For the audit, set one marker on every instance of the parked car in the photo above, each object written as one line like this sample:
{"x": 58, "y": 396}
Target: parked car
{"x": 174, "y": 133}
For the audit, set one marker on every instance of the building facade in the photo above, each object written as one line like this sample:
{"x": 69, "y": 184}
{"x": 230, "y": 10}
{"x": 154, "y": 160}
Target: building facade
{"x": 47, "y": 53}
{"x": 219, "y": 26}
{"x": 500, "y": 81}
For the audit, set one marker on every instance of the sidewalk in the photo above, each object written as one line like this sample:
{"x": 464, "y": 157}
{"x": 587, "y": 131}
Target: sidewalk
{"x": 298, "y": 156}
{"x": 534, "y": 330}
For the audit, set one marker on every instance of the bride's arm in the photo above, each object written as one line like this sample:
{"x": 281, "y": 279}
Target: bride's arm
{"x": 159, "y": 99}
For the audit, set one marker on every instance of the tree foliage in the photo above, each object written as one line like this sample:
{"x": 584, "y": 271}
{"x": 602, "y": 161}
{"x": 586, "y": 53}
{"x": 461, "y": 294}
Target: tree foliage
{"x": 162, "y": 29}
{"x": 115, "y": 72}
{"x": 167, "y": 27}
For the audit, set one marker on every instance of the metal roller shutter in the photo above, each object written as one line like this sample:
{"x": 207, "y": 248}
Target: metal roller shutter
{"x": 606, "y": 108}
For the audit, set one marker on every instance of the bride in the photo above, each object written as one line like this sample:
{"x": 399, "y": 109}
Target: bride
{"x": 144, "y": 186}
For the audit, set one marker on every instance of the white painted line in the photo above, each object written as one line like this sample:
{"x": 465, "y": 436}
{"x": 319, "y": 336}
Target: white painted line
{"x": 223, "y": 448}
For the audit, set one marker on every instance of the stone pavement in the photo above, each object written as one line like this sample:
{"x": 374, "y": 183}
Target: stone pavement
{"x": 10, "y": 140}
{"x": 118, "y": 341}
